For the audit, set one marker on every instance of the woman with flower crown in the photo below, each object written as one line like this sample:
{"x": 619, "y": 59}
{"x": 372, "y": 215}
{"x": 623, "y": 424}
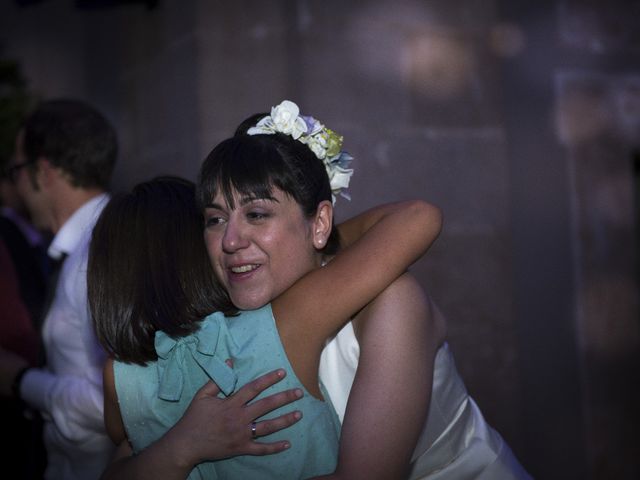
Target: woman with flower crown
{"x": 399, "y": 332}
{"x": 380, "y": 344}
{"x": 268, "y": 227}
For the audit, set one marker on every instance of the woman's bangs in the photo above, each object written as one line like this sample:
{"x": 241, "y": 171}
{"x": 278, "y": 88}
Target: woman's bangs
{"x": 248, "y": 179}
{"x": 249, "y": 170}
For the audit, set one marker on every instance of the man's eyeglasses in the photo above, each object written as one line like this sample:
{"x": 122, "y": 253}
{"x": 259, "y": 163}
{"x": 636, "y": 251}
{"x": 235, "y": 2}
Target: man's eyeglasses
{"x": 12, "y": 172}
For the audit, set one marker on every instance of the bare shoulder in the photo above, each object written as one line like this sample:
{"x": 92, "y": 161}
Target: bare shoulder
{"x": 403, "y": 305}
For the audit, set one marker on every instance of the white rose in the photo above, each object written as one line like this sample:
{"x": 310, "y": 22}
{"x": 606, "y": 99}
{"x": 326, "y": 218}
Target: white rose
{"x": 287, "y": 120}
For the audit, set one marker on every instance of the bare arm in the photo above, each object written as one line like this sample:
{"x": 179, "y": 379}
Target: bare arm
{"x": 382, "y": 243}
{"x": 399, "y": 334}
{"x": 352, "y": 229}
{"x": 211, "y": 428}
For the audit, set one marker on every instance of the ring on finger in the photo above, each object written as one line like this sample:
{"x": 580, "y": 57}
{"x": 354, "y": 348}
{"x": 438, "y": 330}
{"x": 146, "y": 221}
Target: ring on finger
{"x": 253, "y": 431}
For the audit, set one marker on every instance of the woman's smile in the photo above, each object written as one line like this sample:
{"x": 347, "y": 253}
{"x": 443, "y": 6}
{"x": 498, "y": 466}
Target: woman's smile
{"x": 244, "y": 268}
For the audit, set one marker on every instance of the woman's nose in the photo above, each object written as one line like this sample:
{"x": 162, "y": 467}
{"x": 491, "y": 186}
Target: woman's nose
{"x": 234, "y": 237}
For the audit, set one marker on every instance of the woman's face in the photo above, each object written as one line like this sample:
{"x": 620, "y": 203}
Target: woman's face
{"x": 260, "y": 247}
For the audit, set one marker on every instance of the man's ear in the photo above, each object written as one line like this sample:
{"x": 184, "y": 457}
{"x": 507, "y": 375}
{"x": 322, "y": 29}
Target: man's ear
{"x": 322, "y": 224}
{"x": 47, "y": 175}
{"x": 36, "y": 173}
{"x": 43, "y": 172}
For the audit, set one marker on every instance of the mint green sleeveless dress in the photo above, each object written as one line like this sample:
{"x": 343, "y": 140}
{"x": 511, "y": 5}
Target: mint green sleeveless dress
{"x": 153, "y": 398}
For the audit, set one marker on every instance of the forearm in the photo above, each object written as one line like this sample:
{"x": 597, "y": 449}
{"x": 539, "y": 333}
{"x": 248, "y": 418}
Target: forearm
{"x": 159, "y": 460}
{"x": 74, "y": 403}
{"x": 354, "y": 228}
{"x": 163, "y": 458}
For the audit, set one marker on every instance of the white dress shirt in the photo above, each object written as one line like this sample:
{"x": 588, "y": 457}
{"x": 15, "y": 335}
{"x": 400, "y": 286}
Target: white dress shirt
{"x": 68, "y": 390}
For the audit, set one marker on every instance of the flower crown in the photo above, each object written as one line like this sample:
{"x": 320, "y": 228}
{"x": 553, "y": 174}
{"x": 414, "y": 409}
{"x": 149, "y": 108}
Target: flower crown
{"x": 324, "y": 143}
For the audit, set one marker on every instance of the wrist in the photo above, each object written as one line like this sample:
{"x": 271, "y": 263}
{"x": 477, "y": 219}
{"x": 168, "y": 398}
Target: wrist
{"x": 176, "y": 451}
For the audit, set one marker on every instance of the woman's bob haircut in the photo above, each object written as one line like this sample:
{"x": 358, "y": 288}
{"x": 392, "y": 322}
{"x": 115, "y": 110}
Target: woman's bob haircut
{"x": 149, "y": 269}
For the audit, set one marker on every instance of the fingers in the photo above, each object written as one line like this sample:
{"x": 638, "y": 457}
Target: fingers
{"x": 209, "y": 389}
{"x": 267, "y": 427}
{"x": 265, "y": 405}
{"x": 257, "y": 386}
{"x": 257, "y": 448}
{"x": 254, "y": 388}
{"x": 273, "y": 425}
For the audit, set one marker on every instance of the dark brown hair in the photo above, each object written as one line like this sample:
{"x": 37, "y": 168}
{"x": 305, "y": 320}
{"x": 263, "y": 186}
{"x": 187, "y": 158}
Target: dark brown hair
{"x": 149, "y": 269}
{"x": 74, "y": 137}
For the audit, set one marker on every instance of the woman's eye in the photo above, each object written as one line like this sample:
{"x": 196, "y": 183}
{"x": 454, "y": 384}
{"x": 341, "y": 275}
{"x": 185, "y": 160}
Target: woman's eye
{"x": 257, "y": 215}
{"x": 213, "y": 221}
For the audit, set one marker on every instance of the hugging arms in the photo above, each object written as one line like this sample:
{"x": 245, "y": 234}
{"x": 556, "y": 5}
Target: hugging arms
{"x": 309, "y": 304}
{"x": 387, "y": 403}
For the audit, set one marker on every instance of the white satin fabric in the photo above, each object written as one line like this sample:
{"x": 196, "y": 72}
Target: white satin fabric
{"x": 456, "y": 441}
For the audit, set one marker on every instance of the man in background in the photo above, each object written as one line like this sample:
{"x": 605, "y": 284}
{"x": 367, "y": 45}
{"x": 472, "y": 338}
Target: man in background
{"x": 65, "y": 155}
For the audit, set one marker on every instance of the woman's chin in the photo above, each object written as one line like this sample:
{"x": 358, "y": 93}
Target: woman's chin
{"x": 249, "y": 302}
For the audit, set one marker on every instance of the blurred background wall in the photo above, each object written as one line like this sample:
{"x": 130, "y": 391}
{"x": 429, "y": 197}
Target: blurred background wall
{"x": 520, "y": 119}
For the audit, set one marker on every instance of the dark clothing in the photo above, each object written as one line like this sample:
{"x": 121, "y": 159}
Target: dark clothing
{"x": 25, "y": 453}
{"x": 30, "y": 264}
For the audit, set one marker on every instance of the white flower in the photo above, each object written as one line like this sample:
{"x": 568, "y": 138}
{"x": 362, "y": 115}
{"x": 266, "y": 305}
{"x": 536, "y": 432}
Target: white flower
{"x": 286, "y": 119}
{"x": 325, "y": 144}
{"x": 339, "y": 177}
{"x": 264, "y": 127}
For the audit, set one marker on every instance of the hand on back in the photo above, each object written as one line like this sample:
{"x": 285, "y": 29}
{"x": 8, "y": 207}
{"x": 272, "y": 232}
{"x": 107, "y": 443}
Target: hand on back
{"x": 228, "y": 432}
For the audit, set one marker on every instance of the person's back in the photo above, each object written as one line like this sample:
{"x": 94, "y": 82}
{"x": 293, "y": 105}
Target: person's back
{"x": 186, "y": 364}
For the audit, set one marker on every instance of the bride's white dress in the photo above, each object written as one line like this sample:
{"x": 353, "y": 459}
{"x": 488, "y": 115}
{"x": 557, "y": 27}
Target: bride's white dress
{"x": 456, "y": 441}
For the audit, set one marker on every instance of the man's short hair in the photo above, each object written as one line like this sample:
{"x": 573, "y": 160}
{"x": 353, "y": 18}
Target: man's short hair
{"x": 74, "y": 137}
